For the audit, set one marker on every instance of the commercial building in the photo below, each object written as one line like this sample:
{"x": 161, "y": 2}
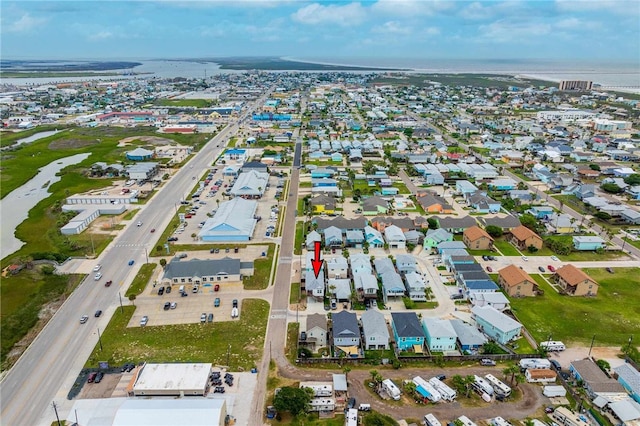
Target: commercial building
{"x": 576, "y": 85}
{"x": 172, "y": 380}
{"x": 234, "y": 221}
{"x": 208, "y": 271}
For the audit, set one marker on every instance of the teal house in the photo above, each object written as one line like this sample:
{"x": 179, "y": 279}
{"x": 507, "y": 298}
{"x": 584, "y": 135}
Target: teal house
{"x": 407, "y": 331}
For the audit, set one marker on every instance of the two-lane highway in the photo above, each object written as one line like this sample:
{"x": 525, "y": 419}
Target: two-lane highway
{"x": 28, "y": 389}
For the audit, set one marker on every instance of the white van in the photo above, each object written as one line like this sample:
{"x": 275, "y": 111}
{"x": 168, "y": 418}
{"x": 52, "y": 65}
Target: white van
{"x": 364, "y": 407}
{"x": 195, "y": 289}
{"x": 181, "y": 289}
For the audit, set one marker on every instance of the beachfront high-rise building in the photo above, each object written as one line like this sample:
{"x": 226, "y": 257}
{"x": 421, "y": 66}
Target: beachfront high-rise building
{"x": 576, "y": 85}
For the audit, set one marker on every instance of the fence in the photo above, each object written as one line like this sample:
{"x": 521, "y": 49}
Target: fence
{"x": 417, "y": 358}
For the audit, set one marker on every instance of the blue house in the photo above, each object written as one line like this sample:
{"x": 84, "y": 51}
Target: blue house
{"x": 495, "y": 324}
{"x": 465, "y": 187}
{"x": 504, "y": 184}
{"x": 440, "y": 335}
{"x": 469, "y": 338}
{"x": 139, "y": 154}
{"x": 588, "y": 243}
{"x": 323, "y": 182}
{"x": 322, "y": 172}
{"x": 407, "y": 331}
{"x": 336, "y": 157}
{"x": 629, "y": 378}
{"x": 540, "y": 211}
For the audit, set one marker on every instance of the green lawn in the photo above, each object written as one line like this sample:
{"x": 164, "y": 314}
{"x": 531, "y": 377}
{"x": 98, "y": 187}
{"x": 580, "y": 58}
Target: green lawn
{"x": 304, "y": 184}
{"x": 611, "y": 316}
{"x": 294, "y": 292}
{"x": 141, "y": 280}
{"x": 635, "y": 243}
{"x": 573, "y": 202}
{"x": 261, "y": 271}
{"x": 186, "y": 342}
{"x": 585, "y": 256}
{"x": 197, "y": 103}
{"x": 299, "y": 238}
{"x": 402, "y": 188}
{"x": 506, "y": 248}
{"x": 482, "y": 253}
{"x": 293, "y": 330}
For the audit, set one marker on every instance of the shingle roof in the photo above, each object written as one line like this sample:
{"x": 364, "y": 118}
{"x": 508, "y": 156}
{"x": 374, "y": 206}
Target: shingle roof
{"x": 522, "y": 233}
{"x": 201, "y": 268}
{"x": 439, "y": 327}
{"x": 468, "y": 334}
{"x": 373, "y": 323}
{"x": 407, "y": 324}
{"x": 456, "y": 222}
{"x": 475, "y": 232}
{"x": 317, "y": 320}
{"x": 495, "y": 318}
{"x": 512, "y": 275}
{"x": 572, "y": 275}
{"x": 345, "y": 324}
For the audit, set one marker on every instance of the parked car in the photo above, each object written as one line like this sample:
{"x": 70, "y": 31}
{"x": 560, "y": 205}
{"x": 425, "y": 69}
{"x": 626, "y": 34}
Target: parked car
{"x": 609, "y": 270}
{"x": 131, "y": 262}
{"x": 108, "y": 283}
{"x": 160, "y": 291}
{"x": 485, "y": 257}
{"x": 99, "y": 377}
{"x": 487, "y": 362}
{"x": 351, "y": 404}
{"x": 92, "y": 377}
{"x": 525, "y": 258}
{"x": 219, "y": 389}
{"x": 144, "y": 321}
{"x": 181, "y": 255}
{"x": 210, "y": 318}
{"x": 441, "y": 377}
{"x": 216, "y": 302}
{"x": 174, "y": 305}
{"x": 170, "y": 239}
{"x": 98, "y": 313}
{"x": 489, "y": 269}
{"x": 551, "y": 268}
{"x": 203, "y": 317}
{"x": 167, "y": 289}
{"x": 555, "y": 364}
{"x": 235, "y": 303}
{"x": 216, "y": 287}
{"x": 84, "y": 319}
{"x": 555, "y": 258}
{"x": 167, "y": 306}
{"x": 541, "y": 269}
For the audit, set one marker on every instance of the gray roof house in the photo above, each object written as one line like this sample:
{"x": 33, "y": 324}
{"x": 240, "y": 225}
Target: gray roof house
{"x": 416, "y": 286}
{"x": 375, "y": 331}
{"x": 469, "y": 338}
{"x": 456, "y": 225}
{"x": 392, "y": 285}
{"x": 360, "y": 262}
{"x": 316, "y": 331}
{"x": 314, "y": 286}
{"x": 394, "y": 237}
{"x": 346, "y": 333}
{"x": 332, "y": 237}
{"x": 337, "y": 267}
{"x": 366, "y": 284}
{"x": 340, "y": 288}
{"x": 382, "y": 265}
{"x": 312, "y": 237}
{"x": 196, "y": 271}
{"x": 406, "y": 263}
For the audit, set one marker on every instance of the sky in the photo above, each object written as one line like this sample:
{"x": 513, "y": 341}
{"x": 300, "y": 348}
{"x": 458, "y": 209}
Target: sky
{"x": 540, "y": 29}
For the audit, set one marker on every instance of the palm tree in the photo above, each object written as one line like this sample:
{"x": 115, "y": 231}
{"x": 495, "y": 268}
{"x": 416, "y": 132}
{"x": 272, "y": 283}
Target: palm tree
{"x": 346, "y": 371}
{"x": 512, "y": 370}
{"x": 428, "y": 292}
{"x": 468, "y": 382}
{"x": 410, "y": 388}
{"x": 519, "y": 379}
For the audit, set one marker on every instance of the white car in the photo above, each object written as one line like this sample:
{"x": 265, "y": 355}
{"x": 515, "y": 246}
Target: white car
{"x": 97, "y": 276}
{"x": 525, "y": 258}
{"x": 84, "y": 319}
{"x": 139, "y": 223}
{"x": 97, "y": 267}
{"x": 144, "y": 321}
{"x": 555, "y": 258}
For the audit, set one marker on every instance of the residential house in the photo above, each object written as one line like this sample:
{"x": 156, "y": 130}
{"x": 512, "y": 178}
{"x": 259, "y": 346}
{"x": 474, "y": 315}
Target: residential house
{"x": 630, "y": 216}
{"x": 456, "y": 225}
{"x": 540, "y": 212}
{"x": 333, "y": 237}
{"x": 482, "y": 203}
{"x": 435, "y": 237}
{"x": 316, "y": 331}
{"x": 434, "y": 204}
{"x": 413, "y": 237}
{"x": 468, "y": 337}
{"x": 495, "y": 324}
{"x": 523, "y": 238}
{"x": 495, "y": 299}
{"x": 477, "y": 238}
{"x": 562, "y": 224}
{"x": 342, "y": 223}
{"x": 346, "y": 333}
{"x": 354, "y": 239}
{"x": 314, "y": 286}
{"x": 374, "y": 205}
{"x": 416, "y": 286}
{"x": 323, "y": 204}
{"x": 575, "y": 282}
{"x": 407, "y": 331}
{"x": 311, "y": 239}
{"x": 588, "y": 243}
{"x": 374, "y": 330}
{"x": 406, "y": 263}
{"x": 366, "y": 285}
{"x": 337, "y": 267}
{"x": 392, "y": 285}
{"x": 540, "y": 375}
{"x": 360, "y": 262}
{"x": 394, "y": 237}
{"x": 506, "y": 223}
{"x": 465, "y": 187}
{"x": 340, "y": 289}
{"x": 629, "y": 378}
{"x": 440, "y": 335}
{"x": 382, "y": 265}
{"x": 595, "y": 381}
{"x": 373, "y": 237}
{"x": 516, "y": 282}
{"x": 502, "y": 184}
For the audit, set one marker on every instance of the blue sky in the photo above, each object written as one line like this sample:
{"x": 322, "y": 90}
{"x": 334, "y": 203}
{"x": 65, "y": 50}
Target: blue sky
{"x": 560, "y": 29}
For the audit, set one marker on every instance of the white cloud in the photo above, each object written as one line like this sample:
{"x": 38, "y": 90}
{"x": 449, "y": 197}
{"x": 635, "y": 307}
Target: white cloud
{"x": 102, "y": 35}
{"x": 476, "y": 11}
{"x": 619, "y": 7}
{"x": 511, "y": 31}
{"x": 24, "y": 24}
{"x": 411, "y": 8}
{"x": 343, "y": 15}
{"x": 392, "y": 27}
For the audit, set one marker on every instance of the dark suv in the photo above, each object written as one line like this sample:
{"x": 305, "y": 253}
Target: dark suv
{"x": 160, "y": 291}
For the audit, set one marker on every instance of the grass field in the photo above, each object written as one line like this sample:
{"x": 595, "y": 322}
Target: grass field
{"x": 299, "y": 238}
{"x": 196, "y": 103}
{"x": 612, "y": 316}
{"x": 506, "y": 248}
{"x": 141, "y": 280}
{"x": 186, "y": 342}
{"x": 261, "y": 271}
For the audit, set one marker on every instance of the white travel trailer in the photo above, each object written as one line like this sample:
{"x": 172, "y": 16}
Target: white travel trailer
{"x": 482, "y": 385}
{"x": 553, "y": 346}
{"x": 447, "y": 393}
{"x": 499, "y": 386}
{"x": 534, "y": 363}
{"x": 391, "y": 389}
{"x": 499, "y": 421}
{"x": 426, "y": 390}
{"x": 466, "y": 421}
{"x": 430, "y": 420}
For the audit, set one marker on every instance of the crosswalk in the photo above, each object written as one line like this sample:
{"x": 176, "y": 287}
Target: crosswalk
{"x": 126, "y": 244}
{"x": 279, "y": 314}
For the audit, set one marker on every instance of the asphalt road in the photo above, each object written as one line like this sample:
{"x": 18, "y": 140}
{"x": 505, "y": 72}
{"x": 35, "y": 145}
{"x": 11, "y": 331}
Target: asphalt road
{"x": 29, "y": 388}
{"x": 276, "y": 337}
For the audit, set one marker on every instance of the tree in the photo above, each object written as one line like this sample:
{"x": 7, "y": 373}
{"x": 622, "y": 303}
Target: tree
{"x": 293, "y": 400}
{"x": 410, "y": 388}
{"x": 594, "y": 167}
{"x": 604, "y": 365}
{"x": 491, "y": 348}
{"x": 494, "y": 231}
{"x": 602, "y": 215}
{"x": 433, "y": 223}
{"x": 611, "y": 188}
{"x": 511, "y": 371}
{"x": 633, "y": 179}
{"x": 163, "y": 262}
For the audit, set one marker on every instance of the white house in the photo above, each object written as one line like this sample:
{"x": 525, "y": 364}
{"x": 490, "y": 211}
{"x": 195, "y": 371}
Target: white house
{"x": 416, "y": 286}
{"x": 395, "y": 237}
{"x": 441, "y": 336}
{"x": 374, "y": 327}
{"x": 337, "y": 267}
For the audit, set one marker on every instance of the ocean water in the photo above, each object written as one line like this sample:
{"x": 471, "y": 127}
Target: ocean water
{"x": 605, "y": 73}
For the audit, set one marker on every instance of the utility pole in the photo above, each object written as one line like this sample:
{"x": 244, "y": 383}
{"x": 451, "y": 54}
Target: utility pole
{"x": 228, "y": 354}
{"x": 146, "y": 253}
{"x": 55, "y": 409}
{"x": 99, "y": 339}
{"x": 121, "y": 308}
{"x": 591, "y": 347}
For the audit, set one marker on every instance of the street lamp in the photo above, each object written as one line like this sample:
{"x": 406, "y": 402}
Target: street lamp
{"x": 99, "y": 339}
{"x": 629, "y": 345}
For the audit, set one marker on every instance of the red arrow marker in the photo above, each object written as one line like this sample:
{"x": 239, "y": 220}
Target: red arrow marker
{"x": 316, "y": 262}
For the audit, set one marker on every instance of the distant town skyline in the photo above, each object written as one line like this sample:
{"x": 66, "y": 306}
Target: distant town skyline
{"x": 560, "y": 29}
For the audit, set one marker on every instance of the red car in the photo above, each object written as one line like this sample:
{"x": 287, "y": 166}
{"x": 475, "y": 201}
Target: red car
{"x": 551, "y": 268}
{"x": 108, "y": 283}
{"x": 153, "y": 230}
{"x": 489, "y": 269}
{"x": 216, "y": 287}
